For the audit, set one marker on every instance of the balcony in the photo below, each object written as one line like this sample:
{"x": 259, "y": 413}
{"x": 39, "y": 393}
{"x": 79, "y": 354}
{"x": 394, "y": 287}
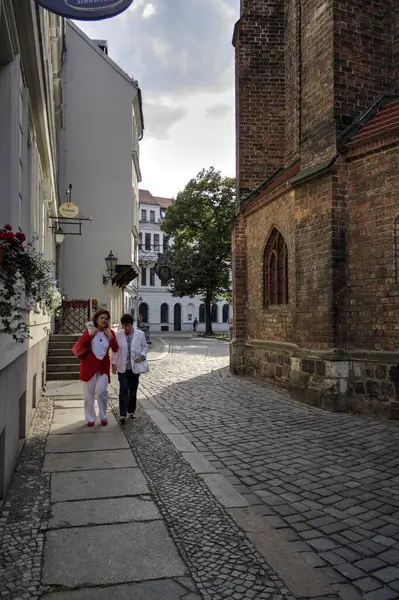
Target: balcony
{"x": 149, "y": 254}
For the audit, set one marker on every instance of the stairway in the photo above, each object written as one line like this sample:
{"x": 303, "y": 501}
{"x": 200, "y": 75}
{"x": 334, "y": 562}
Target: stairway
{"x": 61, "y": 363}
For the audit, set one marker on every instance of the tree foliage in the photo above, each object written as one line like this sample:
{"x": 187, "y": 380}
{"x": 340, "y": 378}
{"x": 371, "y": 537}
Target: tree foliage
{"x": 199, "y": 222}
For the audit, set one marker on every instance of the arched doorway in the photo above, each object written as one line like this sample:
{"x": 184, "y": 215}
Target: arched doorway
{"x": 143, "y": 311}
{"x": 164, "y": 313}
{"x": 177, "y": 317}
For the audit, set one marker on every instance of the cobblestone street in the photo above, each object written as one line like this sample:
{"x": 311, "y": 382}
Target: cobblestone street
{"x": 329, "y": 483}
{"x": 223, "y": 488}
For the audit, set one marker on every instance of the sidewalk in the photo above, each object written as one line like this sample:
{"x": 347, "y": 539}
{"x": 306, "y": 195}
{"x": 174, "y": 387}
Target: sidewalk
{"x": 134, "y": 514}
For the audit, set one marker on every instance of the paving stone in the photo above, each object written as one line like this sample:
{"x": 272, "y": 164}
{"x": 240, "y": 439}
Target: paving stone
{"x": 87, "y": 461}
{"x": 149, "y": 590}
{"x": 199, "y": 463}
{"x": 90, "y": 563}
{"x": 94, "y": 512}
{"x": 387, "y": 574}
{"x": 81, "y": 485}
{"x": 85, "y": 443}
{"x": 381, "y": 594}
{"x": 350, "y": 571}
{"x": 223, "y": 490}
{"x": 370, "y": 564}
{"x": 322, "y": 544}
{"x": 368, "y": 584}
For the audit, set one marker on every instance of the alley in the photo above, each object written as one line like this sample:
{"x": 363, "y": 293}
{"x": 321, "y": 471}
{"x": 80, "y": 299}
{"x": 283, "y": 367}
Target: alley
{"x": 222, "y": 488}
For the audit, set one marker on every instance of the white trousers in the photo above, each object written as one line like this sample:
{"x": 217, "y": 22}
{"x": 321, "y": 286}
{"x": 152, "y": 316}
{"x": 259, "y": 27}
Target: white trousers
{"x": 97, "y": 385}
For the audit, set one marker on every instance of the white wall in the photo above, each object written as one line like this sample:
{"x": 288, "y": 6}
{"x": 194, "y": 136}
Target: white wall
{"x": 156, "y": 295}
{"x": 96, "y": 158}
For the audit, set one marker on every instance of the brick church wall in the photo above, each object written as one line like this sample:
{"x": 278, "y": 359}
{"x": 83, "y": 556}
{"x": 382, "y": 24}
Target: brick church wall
{"x": 373, "y": 184}
{"x": 363, "y": 56}
{"x": 395, "y": 38}
{"x": 259, "y": 44}
{"x": 276, "y": 323}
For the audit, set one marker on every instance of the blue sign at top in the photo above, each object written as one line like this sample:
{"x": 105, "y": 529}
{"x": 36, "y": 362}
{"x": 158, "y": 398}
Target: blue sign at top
{"x": 86, "y": 10}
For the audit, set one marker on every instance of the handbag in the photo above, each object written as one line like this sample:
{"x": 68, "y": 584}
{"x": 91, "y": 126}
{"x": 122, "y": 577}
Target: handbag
{"x": 80, "y": 351}
{"x": 141, "y": 367}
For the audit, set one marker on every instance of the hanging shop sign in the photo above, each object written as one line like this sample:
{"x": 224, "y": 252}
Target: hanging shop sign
{"x": 68, "y": 210}
{"x": 86, "y": 10}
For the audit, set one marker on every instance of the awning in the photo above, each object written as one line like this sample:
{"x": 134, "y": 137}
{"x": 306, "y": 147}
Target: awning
{"x": 125, "y": 274}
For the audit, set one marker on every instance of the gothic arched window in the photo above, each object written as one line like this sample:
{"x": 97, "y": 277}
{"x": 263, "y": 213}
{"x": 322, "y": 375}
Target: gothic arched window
{"x": 275, "y": 270}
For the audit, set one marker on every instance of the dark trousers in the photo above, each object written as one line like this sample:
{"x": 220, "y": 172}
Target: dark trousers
{"x": 128, "y": 384}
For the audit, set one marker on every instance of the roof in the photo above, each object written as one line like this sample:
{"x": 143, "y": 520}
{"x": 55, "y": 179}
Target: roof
{"x": 105, "y": 57}
{"x": 381, "y": 119}
{"x": 164, "y": 202}
{"x": 145, "y": 197}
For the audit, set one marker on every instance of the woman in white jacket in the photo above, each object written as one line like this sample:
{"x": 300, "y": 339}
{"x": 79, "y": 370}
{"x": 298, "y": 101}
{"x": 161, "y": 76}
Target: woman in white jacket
{"x": 132, "y": 350}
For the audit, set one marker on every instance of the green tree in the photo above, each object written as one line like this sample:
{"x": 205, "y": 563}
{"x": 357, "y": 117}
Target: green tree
{"x": 199, "y": 222}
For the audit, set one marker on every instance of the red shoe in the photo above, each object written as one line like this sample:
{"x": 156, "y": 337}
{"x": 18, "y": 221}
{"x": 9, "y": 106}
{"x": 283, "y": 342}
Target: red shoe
{"x": 90, "y": 424}
{"x": 104, "y": 422}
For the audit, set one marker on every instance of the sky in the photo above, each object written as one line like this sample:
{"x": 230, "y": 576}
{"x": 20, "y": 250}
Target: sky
{"x": 180, "y": 52}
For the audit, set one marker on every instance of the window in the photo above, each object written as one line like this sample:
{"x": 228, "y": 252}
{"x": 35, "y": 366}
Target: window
{"x": 202, "y": 313}
{"x": 163, "y": 213}
{"x": 148, "y": 241}
{"x": 226, "y": 310}
{"x": 156, "y": 241}
{"x": 152, "y": 276}
{"x": 143, "y": 311}
{"x": 275, "y": 264}
{"x": 141, "y": 239}
{"x": 164, "y": 313}
{"x": 396, "y": 235}
{"x": 214, "y": 313}
{"x": 144, "y": 276}
{"x": 152, "y": 215}
{"x": 143, "y": 215}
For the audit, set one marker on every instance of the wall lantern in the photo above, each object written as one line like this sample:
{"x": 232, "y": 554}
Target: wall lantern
{"x": 59, "y": 236}
{"x": 110, "y": 262}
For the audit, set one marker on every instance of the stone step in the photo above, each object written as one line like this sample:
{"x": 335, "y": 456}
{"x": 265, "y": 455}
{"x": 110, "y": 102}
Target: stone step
{"x": 67, "y": 359}
{"x": 60, "y": 346}
{"x": 60, "y": 352}
{"x": 62, "y": 366}
{"x": 60, "y": 376}
{"x": 60, "y": 337}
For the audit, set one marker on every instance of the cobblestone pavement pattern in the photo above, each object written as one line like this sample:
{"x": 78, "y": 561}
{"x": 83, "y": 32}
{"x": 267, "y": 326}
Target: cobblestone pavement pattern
{"x": 220, "y": 558}
{"x": 328, "y": 482}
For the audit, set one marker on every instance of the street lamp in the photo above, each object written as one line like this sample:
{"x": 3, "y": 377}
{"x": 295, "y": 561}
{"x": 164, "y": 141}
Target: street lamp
{"x": 110, "y": 262}
{"x": 59, "y": 235}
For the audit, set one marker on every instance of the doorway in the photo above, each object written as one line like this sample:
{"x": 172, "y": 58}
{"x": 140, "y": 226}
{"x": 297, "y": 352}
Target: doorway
{"x": 177, "y": 317}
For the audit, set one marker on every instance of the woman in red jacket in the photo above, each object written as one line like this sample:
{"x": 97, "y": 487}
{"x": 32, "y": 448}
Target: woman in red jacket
{"x": 93, "y": 350}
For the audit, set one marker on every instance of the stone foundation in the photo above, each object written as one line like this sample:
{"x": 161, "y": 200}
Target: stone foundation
{"x": 336, "y": 380}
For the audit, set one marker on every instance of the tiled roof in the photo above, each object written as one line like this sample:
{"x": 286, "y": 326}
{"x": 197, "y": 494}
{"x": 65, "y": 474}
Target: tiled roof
{"x": 383, "y": 122}
{"x": 145, "y": 197}
{"x": 164, "y": 202}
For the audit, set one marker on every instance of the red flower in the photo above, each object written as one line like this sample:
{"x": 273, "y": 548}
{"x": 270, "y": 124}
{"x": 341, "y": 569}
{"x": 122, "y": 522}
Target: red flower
{"x": 10, "y": 237}
{"x": 21, "y": 237}
{"x": 7, "y": 227}
{"x": 3, "y": 236}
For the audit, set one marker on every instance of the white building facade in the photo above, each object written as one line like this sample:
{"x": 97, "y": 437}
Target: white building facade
{"x": 99, "y": 157}
{"x": 157, "y": 306}
{"x": 31, "y": 45}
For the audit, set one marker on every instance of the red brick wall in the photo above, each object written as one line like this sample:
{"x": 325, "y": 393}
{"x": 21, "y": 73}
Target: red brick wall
{"x": 314, "y": 264}
{"x": 259, "y": 44}
{"x": 275, "y": 323}
{"x": 239, "y": 278}
{"x": 292, "y": 79}
{"x": 373, "y": 184}
{"x": 396, "y": 45}
{"x": 363, "y": 55}
{"x": 317, "y": 121}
